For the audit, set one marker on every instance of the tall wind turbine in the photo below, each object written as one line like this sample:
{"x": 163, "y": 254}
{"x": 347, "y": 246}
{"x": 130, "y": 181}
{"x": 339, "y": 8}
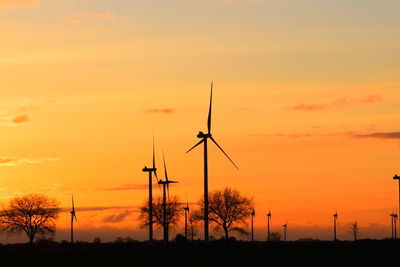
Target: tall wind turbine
{"x": 186, "y": 209}
{"x": 394, "y": 225}
{"x": 73, "y": 217}
{"x": 253, "y": 214}
{"x": 285, "y": 231}
{"x": 268, "y": 227}
{"x": 203, "y": 140}
{"x": 355, "y": 230}
{"x": 335, "y": 218}
{"x": 151, "y": 170}
{"x": 165, "y": 185}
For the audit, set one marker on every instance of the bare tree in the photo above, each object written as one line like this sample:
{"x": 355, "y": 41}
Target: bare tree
{"x": 35, "y": 215}
{"x": 174, "y": 212}
{"x": 228, "y": 210}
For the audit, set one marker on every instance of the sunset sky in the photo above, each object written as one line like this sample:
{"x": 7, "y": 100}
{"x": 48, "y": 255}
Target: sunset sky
{"x": 306, "y": 102}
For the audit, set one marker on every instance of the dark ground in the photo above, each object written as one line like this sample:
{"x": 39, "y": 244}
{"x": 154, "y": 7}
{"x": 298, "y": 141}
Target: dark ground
{"x": 217, "y": 253}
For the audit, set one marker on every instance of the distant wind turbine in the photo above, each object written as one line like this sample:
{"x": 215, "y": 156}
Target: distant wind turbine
{"x": 73, "y": 217}
{"x": 355, "y": 230}
{"x": 253, "y": 214}
{"x": 186, "y": 209}
{"x": 268, "y": 227}
{"x": 151, "y": 170}
{"x": 285, "y": 231}
{"x": 165, "y": 185}
{"x": 335, "y": 220}
{"x": 203, "y": 140}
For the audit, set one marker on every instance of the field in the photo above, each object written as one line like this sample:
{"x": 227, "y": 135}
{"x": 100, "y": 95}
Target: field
{"x": 217, "y": 253}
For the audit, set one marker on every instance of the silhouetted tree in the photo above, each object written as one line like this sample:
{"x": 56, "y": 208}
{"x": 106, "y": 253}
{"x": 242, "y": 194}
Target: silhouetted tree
{"x": 228, "y": 210}
{"x": 35, "y": 215}
{"x": 174, "y": 211}
{"x": 193, "y": 224}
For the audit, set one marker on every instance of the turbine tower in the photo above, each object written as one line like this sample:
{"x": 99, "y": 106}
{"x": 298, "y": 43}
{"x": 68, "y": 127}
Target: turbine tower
{"x": 398, "y": 178}
{"x": 393, "y": 215}
{"x": 335, "y": 218}
{"x": 203, "y": 140}
{"x": 285, "y": 231}
{"x": 253, "y": 214}
{"x": 73, "y": 217}
{"x": 186, "y": 209}
{"x": 165, "y": 185}
{"x": 151, "y": 170}
{"x": 268, "y": 227}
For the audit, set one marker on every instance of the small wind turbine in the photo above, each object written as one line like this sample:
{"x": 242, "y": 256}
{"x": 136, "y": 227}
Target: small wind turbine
{"x": 355, "y": 230}
{"x": 335, "y": 220}
{"x": 165, "y": 185}
{"x": 204, "y": 138}
{"x": 394, "y": 225}
{"x": 186, "y": 209}
{"x": 285, "y": 231}
{"x": 269, "y": 222}
{"x": 73, "y": 217}
{"x": 151, "y": 170}
{"x": 253, "y": 214}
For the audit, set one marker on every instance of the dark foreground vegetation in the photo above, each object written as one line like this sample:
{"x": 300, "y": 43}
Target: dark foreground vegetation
{"x": 216, "y": 253}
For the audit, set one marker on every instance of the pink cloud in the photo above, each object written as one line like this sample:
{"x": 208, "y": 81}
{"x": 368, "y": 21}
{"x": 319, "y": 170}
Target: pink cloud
{"x": 164, "y": 110}
{"x": 78, "y": 17}
{"x": 309, "y": 107}
{"x": 20, "y": 119}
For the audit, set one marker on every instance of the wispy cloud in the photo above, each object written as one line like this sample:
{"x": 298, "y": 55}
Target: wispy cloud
{"x": 339, "y": 102}
{"x": 379, "y": 135}
{"x": 99, "y": 208}
{"x": 11, "y": 162}
{"x": 78, "y": 18}
{"x": 18, "y": 3}
{"x": 126, "y": 187}
{"x": 116, "y": 218}
{"x": 309, "y": 107}
{"x": 162, "y": 111}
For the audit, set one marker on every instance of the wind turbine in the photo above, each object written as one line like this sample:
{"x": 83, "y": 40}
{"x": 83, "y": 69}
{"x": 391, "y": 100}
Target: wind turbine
{"x": 335, "y": 218}
{"x": 285, "y": 231}
{"x": 253, "y": 214}
{"x": 151, "y": 170}
{"x": 355, "y": 230}
{"x": 394, "y": 225}
{"x": 186, "y": 209}
{"x": 165, "y": 185}
{"x": 203, "y": 140}
{"x": 73, "y": 217}
{"x": 269, "y": 229}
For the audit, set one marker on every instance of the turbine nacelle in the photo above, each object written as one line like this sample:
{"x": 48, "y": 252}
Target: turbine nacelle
{"x": 203, "y": 135}
{"x": 145, "y": 169}
{"x": 396, "y": 177}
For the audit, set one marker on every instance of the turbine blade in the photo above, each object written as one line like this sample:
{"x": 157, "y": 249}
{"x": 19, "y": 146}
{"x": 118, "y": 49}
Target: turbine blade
{"x": 212, "y": 139}
{"x": 155, "y": 174}
{"x": 73, "y": 206}
{"x": 202, "y": 140}
{"x": 209, "y": 111}
{"x": 154, "y": 157}
{"x": 165, "y": 167}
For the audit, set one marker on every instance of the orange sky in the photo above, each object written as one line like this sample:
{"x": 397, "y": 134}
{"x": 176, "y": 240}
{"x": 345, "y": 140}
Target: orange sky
{"x": 301, "y": 86}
